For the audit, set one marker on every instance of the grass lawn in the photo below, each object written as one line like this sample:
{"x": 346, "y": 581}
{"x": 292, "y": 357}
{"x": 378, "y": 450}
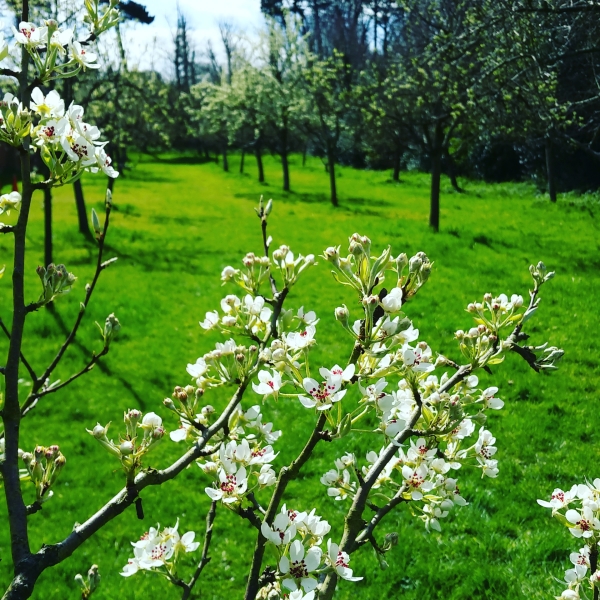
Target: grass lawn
{"x": 176, "y": 224}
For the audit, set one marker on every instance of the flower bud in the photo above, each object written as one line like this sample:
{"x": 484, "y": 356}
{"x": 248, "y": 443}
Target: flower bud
{"x": 169, "y": 403}
{"x": 342, "y": 314}
{"x": 401, "y": 261}
{"x": 93, "y": 577}
{"x": 209, "y": 409}
{"x": 80, "y": 582}
{"x": 332, "y": 254}
{"x": 99, "y": 432}
{"x": 126, "y": 448}
{"x": 268, "y": 208}
{"x": 414, "y": 264}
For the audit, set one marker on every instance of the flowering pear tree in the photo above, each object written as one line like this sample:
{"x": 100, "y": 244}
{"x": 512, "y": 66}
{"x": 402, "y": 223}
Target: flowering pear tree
{"x": 578, "y": 509}
{"x": 427, "y": 410}
{"x": 424, "y": 413}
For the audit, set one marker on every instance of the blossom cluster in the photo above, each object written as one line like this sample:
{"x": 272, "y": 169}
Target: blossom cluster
{"x": 578, "y": 509}
{"x": 43, "y": 467}
{"x": 132, "y": 446}
{"x": 244, "y": 463}
{"x": 158, "y": 550}
{"x": 297, "y": 538}
{"x": 68, "y": 145}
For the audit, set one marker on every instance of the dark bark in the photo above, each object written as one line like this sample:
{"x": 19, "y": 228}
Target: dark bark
{"x": 225, "y": 158}
{"x": 84, "y": 226}
{"x": 259, "y": 164}
{"x": 242, "y": 161}
{"x": 284, "y": 160}
{"x": 397, "y": 161}
{"x": 550, "y": 170}
{"x": 332, "y": 182}
{"x": 451, "y": 168}
{"x": 436, "y": 173}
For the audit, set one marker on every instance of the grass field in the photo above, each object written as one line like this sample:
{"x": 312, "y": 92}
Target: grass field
{"x": 176, "y": 224}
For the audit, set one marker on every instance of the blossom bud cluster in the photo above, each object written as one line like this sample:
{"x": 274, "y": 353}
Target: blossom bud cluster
{"x": 291, "y": 267}
{"x": 112, "y": 326}
{"x": 158, "y": 551}
{"x": 142, "y": 433}
{"x": 494, "y": 313}
{"x": 43, "y": 467}
{"x": 578, "y": 509}
{"x": 229, "y": 362}
{"x": 56, "y": 280}
{"x": 89, "y": 585}
{"x": 192, "y": 419}
{"x": 297, "y": 538}
{"x": 15, "y": 121}
{"x": 257, "y": 269}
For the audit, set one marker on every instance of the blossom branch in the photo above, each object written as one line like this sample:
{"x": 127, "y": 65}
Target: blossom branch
{"x": 31, "y": 566}
{"x": 286, "y": 475}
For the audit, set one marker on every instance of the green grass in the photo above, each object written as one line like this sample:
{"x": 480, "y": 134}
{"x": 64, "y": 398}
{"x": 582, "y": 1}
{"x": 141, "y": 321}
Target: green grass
{"x": 176, "y": 225}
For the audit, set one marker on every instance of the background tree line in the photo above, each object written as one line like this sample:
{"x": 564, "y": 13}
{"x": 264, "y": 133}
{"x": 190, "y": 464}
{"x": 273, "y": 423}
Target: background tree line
{"x": 500, "y": 90}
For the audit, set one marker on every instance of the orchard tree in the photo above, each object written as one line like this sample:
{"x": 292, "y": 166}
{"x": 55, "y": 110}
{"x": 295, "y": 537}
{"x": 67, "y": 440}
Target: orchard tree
{"x": 249, "y": 101}
{"x": 282, "y": 55}
{"x": 439, "y": 77}
{"x": 329, "y": 90}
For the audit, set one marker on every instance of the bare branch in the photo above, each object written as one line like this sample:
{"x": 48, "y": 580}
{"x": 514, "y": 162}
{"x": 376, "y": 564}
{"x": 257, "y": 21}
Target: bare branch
{"x": 210, "y": 518}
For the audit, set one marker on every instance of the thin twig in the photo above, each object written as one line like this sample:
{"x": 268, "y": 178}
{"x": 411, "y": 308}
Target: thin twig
{"x": 23, "y": 359}
{"x": 32, "y": 400}
{"x": 210, "y": 519}
{"x": 100, "y": 266}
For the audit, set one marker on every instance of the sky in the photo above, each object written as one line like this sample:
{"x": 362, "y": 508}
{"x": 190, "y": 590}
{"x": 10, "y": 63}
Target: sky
{"x": 149, "y": 46}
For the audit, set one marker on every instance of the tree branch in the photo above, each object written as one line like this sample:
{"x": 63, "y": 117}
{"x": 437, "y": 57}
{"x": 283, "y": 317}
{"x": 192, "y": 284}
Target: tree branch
{"x": 100, "y": 266}
{"x": 286, "y": 475}
{"x": 27, "y": 571}
{"x": 210, "y": 518}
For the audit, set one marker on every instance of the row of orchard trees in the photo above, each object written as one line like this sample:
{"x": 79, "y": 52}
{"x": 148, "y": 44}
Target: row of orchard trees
{"x": 428, "y": 79}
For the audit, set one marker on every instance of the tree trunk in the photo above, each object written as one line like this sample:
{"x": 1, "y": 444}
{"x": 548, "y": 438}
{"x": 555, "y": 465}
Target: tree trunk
{"x": 47, "y": 226}
{"x": 84, "y": 226}
{"x": 242, "y": 162}
{"x": 332, "y": 183}
{"x": 550, "y": 172}
{"x": 436, "y": 173}
{"x": 259, "y": 164}
{"x": 452, "y": 173}
{"x": 111, "y": 184}
{"x": 396, "y": 173}
{"x": 304, "y": 156}
{"x": 284, "y": 160}
{"x": 225, "y": 159}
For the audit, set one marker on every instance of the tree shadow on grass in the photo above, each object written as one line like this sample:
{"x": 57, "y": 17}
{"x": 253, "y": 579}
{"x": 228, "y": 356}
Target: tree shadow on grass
{"x": 85, "y": 352}
{"x": 366, "y": 206}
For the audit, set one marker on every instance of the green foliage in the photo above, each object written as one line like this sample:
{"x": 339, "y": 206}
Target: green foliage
{"x": 176, "y": 224}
